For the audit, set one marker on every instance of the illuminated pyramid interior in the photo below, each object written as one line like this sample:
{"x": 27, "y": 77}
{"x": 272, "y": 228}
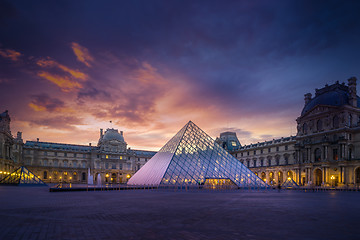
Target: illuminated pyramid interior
{"x": 22, "y": 176}
{"x": 290, "y": 183}
{"x": 193, "y": 158}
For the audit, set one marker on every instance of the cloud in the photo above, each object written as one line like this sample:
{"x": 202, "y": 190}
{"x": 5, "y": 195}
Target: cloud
{"x": 65, "y": 83}
{"x": 12, "y": 54}
{"x": 51, "y": 63}
{"x": 43, "y": 102}
{"x": 82, "y": 54}
{"x": 58, "y": 122}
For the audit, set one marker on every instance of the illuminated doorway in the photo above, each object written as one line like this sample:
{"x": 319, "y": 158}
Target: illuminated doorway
{"x": 281, "y": 176}
{"x": 318, "y": 177}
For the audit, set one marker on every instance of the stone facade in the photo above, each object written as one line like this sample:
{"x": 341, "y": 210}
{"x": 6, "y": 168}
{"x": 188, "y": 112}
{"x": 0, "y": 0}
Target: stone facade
{"x": 326, "y": 149}
{"x": 111, "y": 160}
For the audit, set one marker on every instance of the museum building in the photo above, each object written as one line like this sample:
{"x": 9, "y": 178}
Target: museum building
{"x": 55, "y": 162}
{"x": 325, "y": 150}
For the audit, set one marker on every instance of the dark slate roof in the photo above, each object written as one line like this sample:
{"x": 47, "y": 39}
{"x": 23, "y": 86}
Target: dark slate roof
{"x": 144, "y": 153}
{"x": 333, "y": 95}
{"x": 58, "y": 146}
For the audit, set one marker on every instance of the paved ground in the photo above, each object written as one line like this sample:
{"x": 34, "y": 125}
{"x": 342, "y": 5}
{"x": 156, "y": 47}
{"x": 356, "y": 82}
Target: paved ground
{"x": 35, "y": 213}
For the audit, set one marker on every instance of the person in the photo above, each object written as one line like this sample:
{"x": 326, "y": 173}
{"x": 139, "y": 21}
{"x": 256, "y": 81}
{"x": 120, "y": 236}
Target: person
{"x": 279, "y": 186}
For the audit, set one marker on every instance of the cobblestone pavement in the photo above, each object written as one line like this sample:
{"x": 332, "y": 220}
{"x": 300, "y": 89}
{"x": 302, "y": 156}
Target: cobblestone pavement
{"x": 35, "y": 213}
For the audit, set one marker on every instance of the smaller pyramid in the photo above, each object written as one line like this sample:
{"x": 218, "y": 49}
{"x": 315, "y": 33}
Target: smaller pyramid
{"x": 289, "y": 183}
{"x": 22, "y": 176}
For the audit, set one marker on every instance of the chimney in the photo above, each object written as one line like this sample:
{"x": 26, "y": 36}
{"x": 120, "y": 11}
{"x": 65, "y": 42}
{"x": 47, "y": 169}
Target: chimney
{"x": 37, "y": 139}
{"x": 101, "y": 132}
{"x": 90, "y": 143}
{"x": 352, "y": 91}
{"x": 121, "y": 133}
{"x": 307, "y": 98}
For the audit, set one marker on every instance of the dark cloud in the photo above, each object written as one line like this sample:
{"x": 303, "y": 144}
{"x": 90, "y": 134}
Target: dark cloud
{"x": 59, "y": 122}
{"x": 47, "y": 103}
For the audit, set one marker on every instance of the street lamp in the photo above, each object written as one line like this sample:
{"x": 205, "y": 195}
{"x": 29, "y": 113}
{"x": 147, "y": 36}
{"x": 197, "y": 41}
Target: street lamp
{"x": 332, "y": 179}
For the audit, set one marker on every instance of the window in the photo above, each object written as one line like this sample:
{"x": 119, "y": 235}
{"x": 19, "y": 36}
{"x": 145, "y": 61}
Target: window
{"x": 106, "y": 165}
{"x": 277, "y": 149}
{"x": 120, "y": 157}
{"x": 262, "y": 162}
{"x": 286, "y": 147}
{"x": 350, "y": 120}
{"x": 233, "y": 144}
{"x": 65, "y": 154}
{"x": 286, "y": 160}
{"x": 261, "y": 151}
{"x": 45, "y": 153}
{"x": 242, "y": 154}
{"x": 84, "y": 155}
{"x": 97, "y": 165}
{"x": 56, "y": 163}
{"x": 45, "y": 163}
{"x": 305, "y": 128}
{"x": 83, "y": 165}
{"x": 83, "y": 176}
{"x": 74, "y": 155}
{"x": 98, "y": 156}
{"x": 55, "y": 153}
{"x": 248, "y": 163}
{"x": 113, "y": 166}
{"x": 254, "y": 162}
{"x": 336, "y": 122}
{"x": 120, "y": 166}
{"x": 319, "y": 125}
{"x": 269, "y": 150}
{"x": 254, "y": 152}
{"x": 65, "y": 164}
{"x": 277, "y": 161}
{"x": 248, "y": 153}
{"x": 75, "y": 164}
{"x": 107, "y": 156}
{"x": 350, "y": 153}
{"x": 45, "y": 175}
{"x": 317, "y": 154}
{"x": 335, "y": 154}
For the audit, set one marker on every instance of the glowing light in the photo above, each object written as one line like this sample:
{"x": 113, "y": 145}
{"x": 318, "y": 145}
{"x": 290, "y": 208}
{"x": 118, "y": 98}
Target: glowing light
{"x": 128, "y": 176}
{"x": 289, "y": 178}
{"x": 107, "y": 175}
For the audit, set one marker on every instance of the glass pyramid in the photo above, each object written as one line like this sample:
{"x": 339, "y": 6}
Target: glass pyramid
{"x": 22, "y": 176}
{"x": 290, "y": 183}
{"x": 193, "y": 158}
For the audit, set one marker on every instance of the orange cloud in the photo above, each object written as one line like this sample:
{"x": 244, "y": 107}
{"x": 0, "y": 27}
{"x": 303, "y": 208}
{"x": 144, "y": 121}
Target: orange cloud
{"x": 8, "y": 53}
{"x": 51, "y": 63}
{"x": 82, "y": 54}
{"x": 64, "y": 83}
{"x": 37, "y": 107}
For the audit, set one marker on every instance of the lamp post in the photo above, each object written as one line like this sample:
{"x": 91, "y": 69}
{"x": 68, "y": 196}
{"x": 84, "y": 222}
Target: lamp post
{"x": 332, "y": 180}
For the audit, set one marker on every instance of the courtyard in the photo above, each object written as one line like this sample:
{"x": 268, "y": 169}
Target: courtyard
{"x": 35, "y": 213}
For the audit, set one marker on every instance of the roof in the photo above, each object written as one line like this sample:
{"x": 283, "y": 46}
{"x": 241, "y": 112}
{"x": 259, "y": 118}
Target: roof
{"x": 333, "y": 95}
{"x": 113, "y": 134}
{"x": 58, "y": 146}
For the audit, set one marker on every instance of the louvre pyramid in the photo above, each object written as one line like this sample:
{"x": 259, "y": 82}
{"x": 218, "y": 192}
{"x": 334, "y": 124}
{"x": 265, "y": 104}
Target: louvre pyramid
{"x": 290, "y": 183}
{"x": 22, "y": 176}
{"x": 192, "y": 157}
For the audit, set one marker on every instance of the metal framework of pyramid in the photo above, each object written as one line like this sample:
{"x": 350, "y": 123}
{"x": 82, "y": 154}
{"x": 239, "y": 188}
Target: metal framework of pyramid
{"x": 22, "y": 176}
{"x": 192, "y": 157}
{"x": 290, "y": 183}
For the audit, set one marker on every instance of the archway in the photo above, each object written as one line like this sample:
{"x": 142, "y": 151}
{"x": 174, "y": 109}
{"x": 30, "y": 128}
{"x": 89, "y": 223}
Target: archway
{"x": 271, "y": 178}
{"x": 263, "y": 176}
{"x": 290, "y": 175}
{"x": 318, "y": 177}
{"x": 357, "y": 175}
{"x": 113, "y": 178}
{"x": 280, "y": 177}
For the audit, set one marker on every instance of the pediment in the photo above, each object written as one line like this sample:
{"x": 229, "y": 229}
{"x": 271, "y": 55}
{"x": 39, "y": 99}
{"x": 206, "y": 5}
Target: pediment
{"x": 319, "y": 109}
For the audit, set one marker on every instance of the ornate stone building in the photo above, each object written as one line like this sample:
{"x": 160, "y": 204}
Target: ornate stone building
{"x": 326, "y": 149}
{"x": 54, "y": 162}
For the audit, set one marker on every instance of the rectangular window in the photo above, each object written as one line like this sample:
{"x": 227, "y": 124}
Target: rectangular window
{"x": 335, "y": 154}
{"x": 286, "y": 147}
{"x": 106, "y": 165}
{"x": 269, "y": 150}
{"x": 107, "y": 156}
{"x": 120, "y": 166}
{"x": 242, "y": 154}
{"x": 254, "y": 152}
{"x": 74, "y": 155}
{"x": 83, "y": 165}
{"x": 277, "y": 149}
{"x": 120, "y": 157}
{"x": 55, "y": 153}
{"x": 261, "y": 151}
{"x": 248, "y": 153}
{"x": 84, "y": 155}
{"x": 113, "y": 166}
{"x": 45, "y": 153}
{"x": 65, "y": 154}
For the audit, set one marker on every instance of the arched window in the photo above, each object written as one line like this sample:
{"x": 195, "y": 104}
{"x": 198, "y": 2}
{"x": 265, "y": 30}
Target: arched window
{"x": 254, "y": 162}
{"x": 317, "y": 154}
{"x": 319, "y": 125}
{"x": 305, "y": 128}
{"x": 336, "y": 122}
{"x": 45, "y": 174}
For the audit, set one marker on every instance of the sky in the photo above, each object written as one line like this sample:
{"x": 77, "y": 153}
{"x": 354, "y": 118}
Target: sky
{"x": 68, "y": 68}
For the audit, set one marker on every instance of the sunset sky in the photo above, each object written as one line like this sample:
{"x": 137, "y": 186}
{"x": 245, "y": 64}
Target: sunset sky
{"x": 68, "y": 68}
